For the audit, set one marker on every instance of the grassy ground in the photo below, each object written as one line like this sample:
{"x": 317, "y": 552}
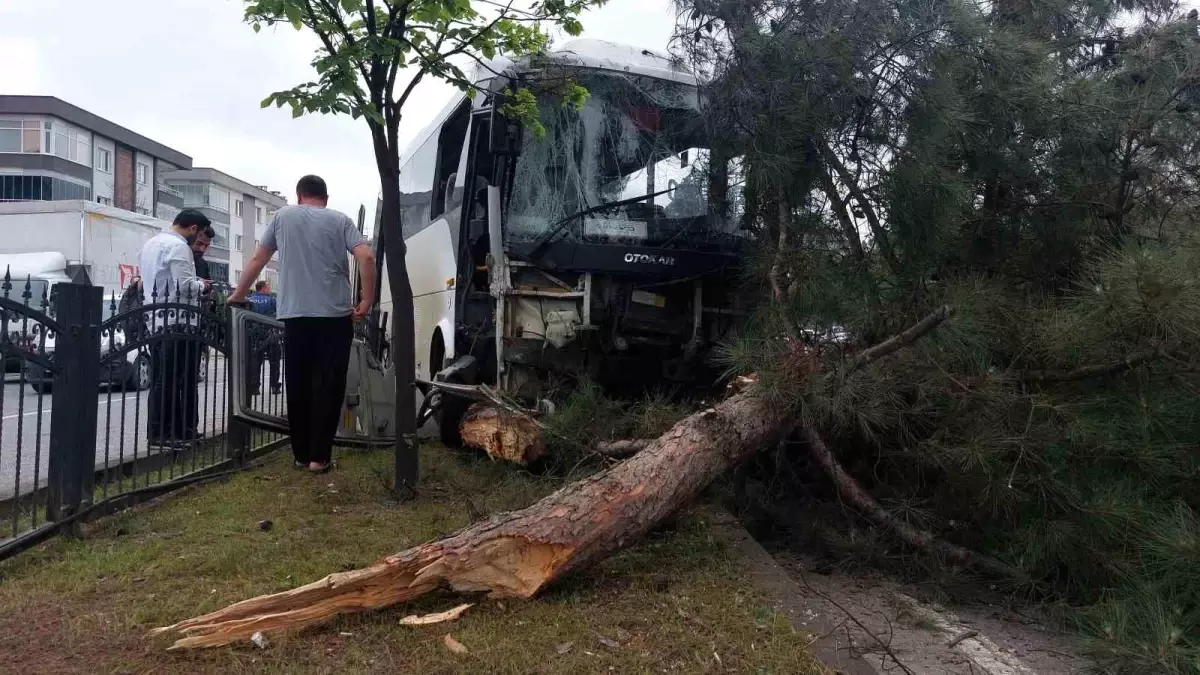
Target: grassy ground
{"x": 674, "y": 603}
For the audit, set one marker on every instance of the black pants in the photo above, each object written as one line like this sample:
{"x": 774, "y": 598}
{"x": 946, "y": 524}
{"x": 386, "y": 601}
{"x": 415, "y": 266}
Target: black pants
{"x": 317, "y": 350}
{"x": 269, "y": 352}
{"x": 173, "y": 405}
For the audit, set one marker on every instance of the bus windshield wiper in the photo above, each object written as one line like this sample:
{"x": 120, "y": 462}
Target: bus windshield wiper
{"x": 544, "y": 241}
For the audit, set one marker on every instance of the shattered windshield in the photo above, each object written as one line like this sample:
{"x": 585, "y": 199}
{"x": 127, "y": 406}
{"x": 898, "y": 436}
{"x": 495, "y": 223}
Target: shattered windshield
{"x": 636, "y": 136}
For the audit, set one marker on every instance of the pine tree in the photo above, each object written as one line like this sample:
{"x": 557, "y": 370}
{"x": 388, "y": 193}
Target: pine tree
{"x": 1034, "y": 166}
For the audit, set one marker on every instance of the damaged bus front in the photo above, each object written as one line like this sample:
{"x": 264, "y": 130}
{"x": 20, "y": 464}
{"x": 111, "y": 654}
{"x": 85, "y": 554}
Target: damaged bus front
{"x": 601, "y": 247}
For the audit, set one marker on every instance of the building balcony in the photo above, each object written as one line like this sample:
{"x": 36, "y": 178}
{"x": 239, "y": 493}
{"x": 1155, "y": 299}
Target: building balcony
{"x": 199, "y": 204}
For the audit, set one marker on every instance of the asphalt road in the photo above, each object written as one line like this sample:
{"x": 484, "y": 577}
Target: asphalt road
{"x": 120, "y": 427}
{"x": 25, "y": 446}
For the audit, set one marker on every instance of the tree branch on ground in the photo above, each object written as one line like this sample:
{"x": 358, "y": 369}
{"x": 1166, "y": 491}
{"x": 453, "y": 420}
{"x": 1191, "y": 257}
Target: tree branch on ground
{"x": 858, "y": 497}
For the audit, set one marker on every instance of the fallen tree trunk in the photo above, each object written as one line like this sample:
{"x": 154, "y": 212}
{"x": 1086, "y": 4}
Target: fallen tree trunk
{"x": 518, "y": 553}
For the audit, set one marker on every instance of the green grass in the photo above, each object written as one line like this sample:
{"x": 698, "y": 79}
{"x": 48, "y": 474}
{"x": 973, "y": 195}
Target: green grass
{"x": 676, "y": 602}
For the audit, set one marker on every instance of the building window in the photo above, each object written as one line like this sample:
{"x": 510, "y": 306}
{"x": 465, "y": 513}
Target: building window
{"x": 237, "y": 241}
{"x": 237, "y": 274}
{"x": 70, "y": 143}
{"x": 41, "y": 188}
{"x": 258, "y": 215}
{"x": 143, "y": 174}
{"x": 218, "y": 271}
{"x": 164, "y": 211}
{"x": 103, "y": 160}
{"x": 202, "y": 194}
{"x": 222, "y": 238}
{"x": 106, "y": 201}
{"x": 218, "y": 198}
{"x": 237, "y": 208}
{"x": 21, "y": 136}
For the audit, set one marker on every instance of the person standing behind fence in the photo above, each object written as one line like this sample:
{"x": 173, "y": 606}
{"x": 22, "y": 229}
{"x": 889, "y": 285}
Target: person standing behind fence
{"x": 264, "y": 344}
{"x": 169, "y": 275}
{"x": 317, "y": 310}
{"x": 200, "y": 244}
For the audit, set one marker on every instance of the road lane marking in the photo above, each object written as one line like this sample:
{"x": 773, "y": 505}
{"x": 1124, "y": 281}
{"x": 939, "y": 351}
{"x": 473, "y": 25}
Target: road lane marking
{"x": 46, "y": 411}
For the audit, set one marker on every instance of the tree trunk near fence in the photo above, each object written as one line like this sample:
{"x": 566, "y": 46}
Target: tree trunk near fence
{"x": 516, "y": 554}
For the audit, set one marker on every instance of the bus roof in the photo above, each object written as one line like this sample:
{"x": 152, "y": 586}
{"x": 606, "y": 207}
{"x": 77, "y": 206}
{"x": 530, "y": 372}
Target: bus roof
{"x": 605, "y": 55}
{"x": 582, "y": 53}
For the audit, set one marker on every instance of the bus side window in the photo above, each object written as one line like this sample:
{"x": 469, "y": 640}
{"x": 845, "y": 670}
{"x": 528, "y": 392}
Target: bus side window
{"x": 451, "y": 139}
{"x": 416, "y": 192}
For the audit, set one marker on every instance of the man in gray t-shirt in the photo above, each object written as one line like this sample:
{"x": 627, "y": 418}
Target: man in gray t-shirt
{"x": 317, "y": 311}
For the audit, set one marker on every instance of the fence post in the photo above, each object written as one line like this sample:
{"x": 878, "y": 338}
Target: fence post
{"x": 76, "y": 390}
{"x": 237, "y": 431}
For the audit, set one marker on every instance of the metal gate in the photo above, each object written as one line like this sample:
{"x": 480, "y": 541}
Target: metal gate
{"x": 100, "y": 408}
{"x": 369, "y": 409}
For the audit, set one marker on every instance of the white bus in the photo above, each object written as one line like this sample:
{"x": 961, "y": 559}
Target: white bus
{"x": 603, "y": 247}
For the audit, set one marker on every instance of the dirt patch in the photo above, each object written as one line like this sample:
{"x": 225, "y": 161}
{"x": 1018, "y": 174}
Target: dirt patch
{"x": 45, "y": 635}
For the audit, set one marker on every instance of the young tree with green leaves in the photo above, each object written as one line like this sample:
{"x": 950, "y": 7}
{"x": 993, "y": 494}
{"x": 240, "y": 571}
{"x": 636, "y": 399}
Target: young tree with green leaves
{"x": 373, "y": 55}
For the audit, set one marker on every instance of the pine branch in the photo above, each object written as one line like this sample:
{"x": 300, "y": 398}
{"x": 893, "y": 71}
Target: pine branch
{"x": 1086, "y": 372}
{"x": 897, "y": 342}
{"x": 858, "y": 497}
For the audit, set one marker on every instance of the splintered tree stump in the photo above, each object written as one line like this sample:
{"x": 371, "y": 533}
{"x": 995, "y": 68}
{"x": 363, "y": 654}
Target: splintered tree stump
{"x": 503, "y": 434}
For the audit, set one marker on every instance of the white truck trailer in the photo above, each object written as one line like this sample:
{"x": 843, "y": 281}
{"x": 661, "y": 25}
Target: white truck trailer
{"x": 46, "y": 243}
{"x": 100, "y": 243}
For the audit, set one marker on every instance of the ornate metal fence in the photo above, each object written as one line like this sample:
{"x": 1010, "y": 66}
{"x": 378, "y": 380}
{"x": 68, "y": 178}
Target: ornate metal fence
{"x": 101, "y": 408}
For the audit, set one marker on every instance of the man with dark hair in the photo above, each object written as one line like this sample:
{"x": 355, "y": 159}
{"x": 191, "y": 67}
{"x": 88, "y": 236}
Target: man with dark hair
{"x": 200, "y": 246}
{"x": 169, "y": 275}
{"x": 204, "y": 239}
{"x": 315, "y": 305}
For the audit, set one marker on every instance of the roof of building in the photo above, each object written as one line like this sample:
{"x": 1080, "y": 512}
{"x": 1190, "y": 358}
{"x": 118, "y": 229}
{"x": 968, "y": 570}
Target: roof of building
{"x": 210, "y": 175}
{"x": 56, "y": 107}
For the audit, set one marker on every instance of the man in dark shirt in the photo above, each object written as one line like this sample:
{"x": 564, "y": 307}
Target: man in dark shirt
{"x": 199, "y": 247}
{"x": 265, "y": 343}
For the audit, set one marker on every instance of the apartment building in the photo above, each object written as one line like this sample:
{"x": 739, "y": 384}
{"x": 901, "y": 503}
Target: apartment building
{"x": 51, "y": 150}
{"x": 238, "y": 210}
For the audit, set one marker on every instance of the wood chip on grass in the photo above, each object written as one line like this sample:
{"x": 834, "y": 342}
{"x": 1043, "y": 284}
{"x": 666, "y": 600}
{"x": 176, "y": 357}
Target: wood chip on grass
{"x": 454, "y": 645}
{"x": 436, "y": 617}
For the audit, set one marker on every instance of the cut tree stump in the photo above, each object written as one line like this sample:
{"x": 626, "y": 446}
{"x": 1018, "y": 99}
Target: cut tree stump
{"x": 503, "y": 434}
{"x": 518, "y": 553}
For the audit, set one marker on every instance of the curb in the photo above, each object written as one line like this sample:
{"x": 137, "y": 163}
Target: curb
{"x": 835, "y": 645}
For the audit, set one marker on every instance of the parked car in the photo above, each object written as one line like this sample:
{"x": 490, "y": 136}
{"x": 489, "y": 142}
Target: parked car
{"x": 134, "y": 375}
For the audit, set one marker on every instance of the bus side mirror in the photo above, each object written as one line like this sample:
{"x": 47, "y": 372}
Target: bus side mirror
{"x": 501, "y": 135}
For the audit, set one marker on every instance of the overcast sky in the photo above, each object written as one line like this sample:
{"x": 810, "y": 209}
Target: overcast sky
{"x": 191, "y": 75}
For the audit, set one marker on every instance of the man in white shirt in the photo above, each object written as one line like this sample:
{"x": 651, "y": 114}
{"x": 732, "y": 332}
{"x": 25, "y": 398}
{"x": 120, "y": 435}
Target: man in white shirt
{"x": 168, "y": 272}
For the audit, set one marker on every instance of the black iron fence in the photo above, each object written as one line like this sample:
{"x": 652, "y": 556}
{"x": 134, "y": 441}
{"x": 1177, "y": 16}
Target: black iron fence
{"x": 103, "y": 405}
